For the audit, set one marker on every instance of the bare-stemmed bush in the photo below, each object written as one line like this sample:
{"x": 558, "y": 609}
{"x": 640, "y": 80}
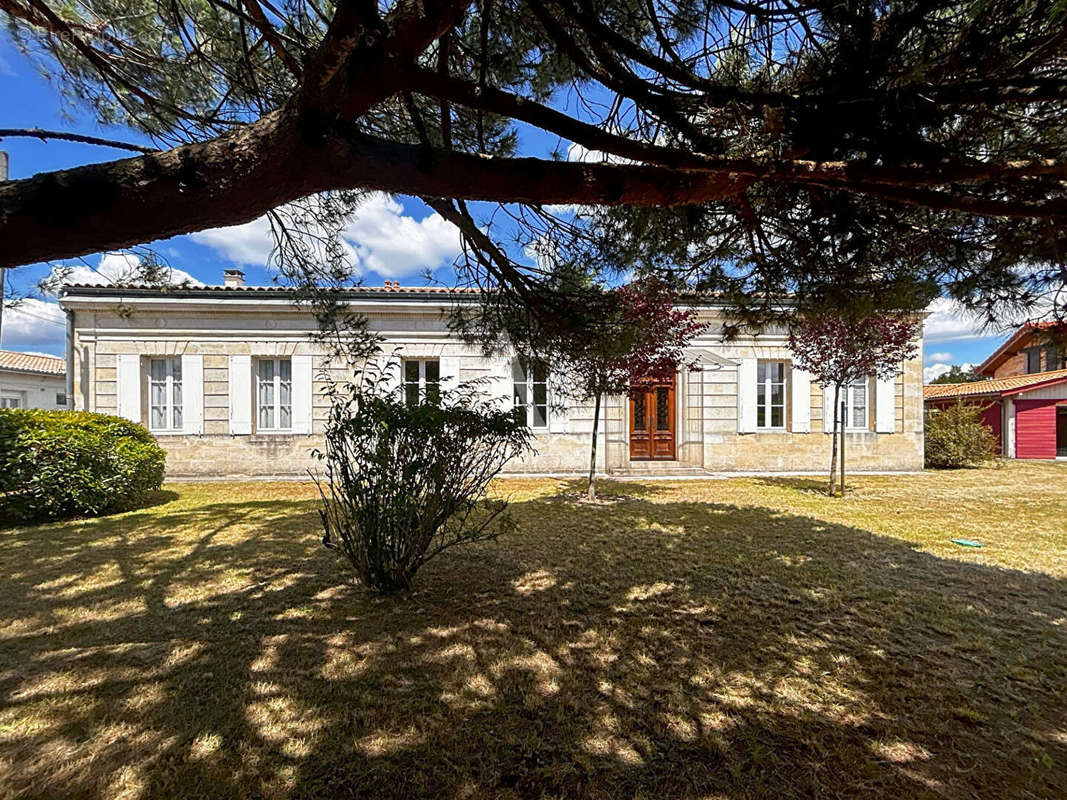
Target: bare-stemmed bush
{"x": 405, "y": 480}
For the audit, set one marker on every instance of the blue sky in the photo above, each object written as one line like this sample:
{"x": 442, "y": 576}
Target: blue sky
{"x": 392, "y": 238}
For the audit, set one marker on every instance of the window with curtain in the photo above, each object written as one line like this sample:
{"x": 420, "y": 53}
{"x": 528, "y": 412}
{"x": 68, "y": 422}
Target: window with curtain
{"x": 165, "y": 394}
{"x": 856, "y": 404}
{"x": 770, "y": 395}
{"x": 422, "y": 381}
{"x": 274, "y": 394}
{"x": 530, "y": 392}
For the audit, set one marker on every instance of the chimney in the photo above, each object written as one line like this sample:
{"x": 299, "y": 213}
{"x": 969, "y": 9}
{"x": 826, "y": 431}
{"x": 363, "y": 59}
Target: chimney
{"x": 233, "y": 278}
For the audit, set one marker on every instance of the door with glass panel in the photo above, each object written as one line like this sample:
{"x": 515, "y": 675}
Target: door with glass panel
{"x": 652, "y": 421}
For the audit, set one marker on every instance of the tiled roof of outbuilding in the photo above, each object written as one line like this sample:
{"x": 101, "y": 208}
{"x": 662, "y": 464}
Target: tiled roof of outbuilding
{"x": 1000, "y": 386}
{"x": 32, "y": 362}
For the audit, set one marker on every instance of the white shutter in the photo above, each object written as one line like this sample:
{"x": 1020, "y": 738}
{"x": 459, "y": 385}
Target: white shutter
{"x": 390, "y": 380}
{"x": 449, "y": 372}
{"x": 801, "y": 400}
{"x": 885, "y": 409}
{"x": 498, "y": 384}
{"x": 193, "y": 394}
{"x": 559, "y": 417}
{"x": 303, "y": 386}
{"x": 128, "y": 384}
{"x": 240, "y": 395}
{"x": 746, "y": 395}
{"x": 828, "y": 409}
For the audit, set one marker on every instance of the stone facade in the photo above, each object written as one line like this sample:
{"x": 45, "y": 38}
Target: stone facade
{"x": 214, "y": 325}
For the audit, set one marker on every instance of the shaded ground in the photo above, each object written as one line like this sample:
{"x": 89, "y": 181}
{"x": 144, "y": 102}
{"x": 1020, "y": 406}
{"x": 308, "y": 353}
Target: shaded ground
{"x": 735, "y": 639}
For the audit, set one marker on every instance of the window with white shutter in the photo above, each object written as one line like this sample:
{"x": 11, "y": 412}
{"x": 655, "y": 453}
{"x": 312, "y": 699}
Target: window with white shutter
{"x": 422, "y": 381}
{"x": 770, "y": 395}
{"x": 530, "y": 393}
{"x": 857, "y": 408}
{"x": 165, "y": 394}
{"x": 274, "y": 394}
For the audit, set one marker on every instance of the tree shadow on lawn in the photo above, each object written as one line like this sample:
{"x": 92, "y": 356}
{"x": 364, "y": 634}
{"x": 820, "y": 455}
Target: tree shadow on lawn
{"x": 159, "y": 497}
{"x": 641, "y": 649}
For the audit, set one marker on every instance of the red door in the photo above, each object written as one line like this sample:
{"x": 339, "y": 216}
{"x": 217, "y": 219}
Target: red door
{"x": 652, "y": 421}
{"x": 1035, "y": 428}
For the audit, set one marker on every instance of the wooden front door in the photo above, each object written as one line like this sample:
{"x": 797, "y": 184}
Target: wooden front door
{"x": 652, "y": 421}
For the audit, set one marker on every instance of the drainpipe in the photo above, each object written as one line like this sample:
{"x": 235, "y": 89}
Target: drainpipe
{"x": 70, "y": 359}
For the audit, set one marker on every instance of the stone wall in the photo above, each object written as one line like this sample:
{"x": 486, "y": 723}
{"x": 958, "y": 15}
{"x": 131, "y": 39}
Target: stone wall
{"x": 706, "y": 413}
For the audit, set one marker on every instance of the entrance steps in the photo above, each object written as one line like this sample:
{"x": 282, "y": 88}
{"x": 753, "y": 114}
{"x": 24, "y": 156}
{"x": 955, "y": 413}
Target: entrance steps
{"x": 665, "y": 468}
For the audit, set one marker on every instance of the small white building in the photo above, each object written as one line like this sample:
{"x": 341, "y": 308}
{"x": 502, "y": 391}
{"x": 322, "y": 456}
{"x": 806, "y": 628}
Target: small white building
{"x": 230, "y": 379}
{"x": 28, "y": 380}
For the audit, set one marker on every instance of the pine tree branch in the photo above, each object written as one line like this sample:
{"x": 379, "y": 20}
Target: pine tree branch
{"x": 43, "y": 135}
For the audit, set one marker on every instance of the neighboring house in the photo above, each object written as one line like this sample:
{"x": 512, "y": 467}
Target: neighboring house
{"x": 1025, "y": 399}
{"x": 230, "y": 381}
{"x": 29, "y": 380}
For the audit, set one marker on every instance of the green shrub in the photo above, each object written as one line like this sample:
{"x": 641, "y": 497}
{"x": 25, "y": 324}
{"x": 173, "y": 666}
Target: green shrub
{"x": 956, "y": 437}
{"x": 404, "y": 482}
{"x": 58, "y": 464}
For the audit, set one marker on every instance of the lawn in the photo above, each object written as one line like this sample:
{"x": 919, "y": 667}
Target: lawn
{"x": 748, "y": 638}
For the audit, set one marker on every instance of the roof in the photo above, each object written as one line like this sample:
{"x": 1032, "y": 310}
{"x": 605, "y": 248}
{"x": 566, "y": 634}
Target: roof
{"x": 390, "y": 291}
{"x": 1002, "y": 353}
{"x": 1001, "y": 387}
{"x": 180, "y": 291}
{"x": 28, "y": 362}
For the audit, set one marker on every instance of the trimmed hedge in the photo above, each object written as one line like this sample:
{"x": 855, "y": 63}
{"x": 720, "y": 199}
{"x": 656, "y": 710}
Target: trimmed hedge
{"x": 957, "y": 437}
{"x": 59, "y": 464}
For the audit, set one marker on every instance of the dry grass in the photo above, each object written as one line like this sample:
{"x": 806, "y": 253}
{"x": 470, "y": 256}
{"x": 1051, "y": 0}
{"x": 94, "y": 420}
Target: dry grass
{"x": 740, "y": 639}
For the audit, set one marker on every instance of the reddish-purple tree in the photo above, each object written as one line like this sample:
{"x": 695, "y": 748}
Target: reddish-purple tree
{"x": 839, "y": 350}
{"x": 645, "y": 340}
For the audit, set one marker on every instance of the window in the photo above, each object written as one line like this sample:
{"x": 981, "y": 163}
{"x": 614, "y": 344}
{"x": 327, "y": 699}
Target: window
{"x": 274, "y": 393}
{"x": 165, "y": 394}
{"x": 1033, "y": 360}
{"x": 530, "y": 392}
{"x": 422, "y": 381}
{"x": 855, "y": 397}
{"x": 770, "y": 395}
{"x": 61, "y": 399}
{"x": 1053, "y": 358}
{"x": 856, "y": 404}
{"x": 11, "y": 401}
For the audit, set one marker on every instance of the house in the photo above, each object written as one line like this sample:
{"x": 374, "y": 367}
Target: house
{"x": 30, "y": 380}
{"x": 230, "y": 381}
{"x": 1024, "y": 399}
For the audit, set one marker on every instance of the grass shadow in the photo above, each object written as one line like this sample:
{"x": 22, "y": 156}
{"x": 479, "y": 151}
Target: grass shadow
{"x": 650, "y": 648}
{"x": 158, "y": 497}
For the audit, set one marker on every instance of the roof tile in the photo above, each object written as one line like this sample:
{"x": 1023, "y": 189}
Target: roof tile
{"x": 27, "y": 362}
{"x": 999, "y": 386}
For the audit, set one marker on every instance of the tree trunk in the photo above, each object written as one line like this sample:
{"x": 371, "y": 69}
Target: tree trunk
{"x": 833, "y": 449}
{"x": 842, "y": 452}
{"x": 591, "y": 490}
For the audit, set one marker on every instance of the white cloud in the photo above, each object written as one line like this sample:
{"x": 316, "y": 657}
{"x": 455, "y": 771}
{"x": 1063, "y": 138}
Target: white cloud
{"x": 249, "y": 244}
{"x": 380, "y": 236}
{"x": 393, "y": 245}
{"x": 113, "y": 268}
{"x": 937, "y": 370}
{"x": 34, "y": 323}
{"x": 939, "y": 358}
{"x": 949, "y": 320}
